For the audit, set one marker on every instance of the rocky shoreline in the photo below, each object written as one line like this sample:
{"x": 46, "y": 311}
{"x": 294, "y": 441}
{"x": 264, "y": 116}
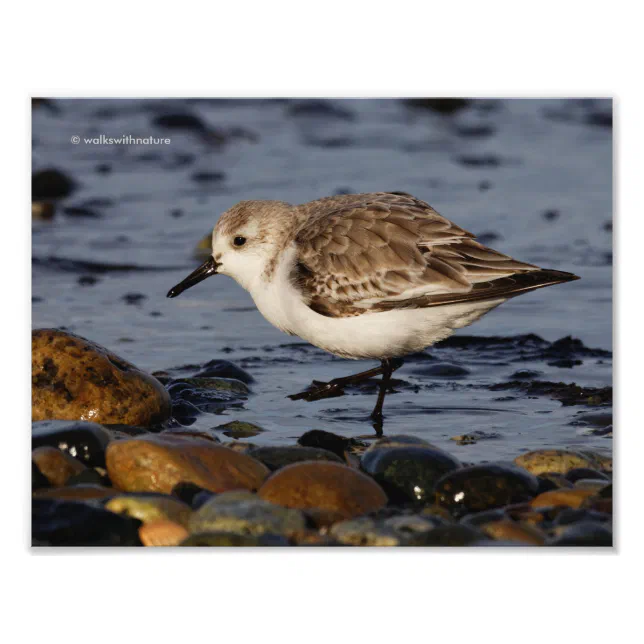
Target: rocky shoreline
{"x": 116, "y": 463}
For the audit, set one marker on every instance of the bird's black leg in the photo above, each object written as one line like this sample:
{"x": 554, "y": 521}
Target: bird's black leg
{"x": 335, "y": 387}
{"x": 388, "y": 366}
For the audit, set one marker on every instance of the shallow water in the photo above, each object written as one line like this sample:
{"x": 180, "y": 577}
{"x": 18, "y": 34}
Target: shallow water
{"x": 533, "y": 176}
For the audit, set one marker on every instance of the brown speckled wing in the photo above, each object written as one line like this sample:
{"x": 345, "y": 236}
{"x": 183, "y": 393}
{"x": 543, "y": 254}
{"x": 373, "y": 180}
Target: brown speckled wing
{"x": 379, "y": 251}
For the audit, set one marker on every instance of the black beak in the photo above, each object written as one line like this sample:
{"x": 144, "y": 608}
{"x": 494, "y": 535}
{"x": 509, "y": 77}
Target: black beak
{"x": 208, "y": 268}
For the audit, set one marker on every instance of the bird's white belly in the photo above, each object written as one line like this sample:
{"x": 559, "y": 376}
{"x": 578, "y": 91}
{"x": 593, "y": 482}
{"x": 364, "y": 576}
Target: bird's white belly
{"x": 370, "y": 335}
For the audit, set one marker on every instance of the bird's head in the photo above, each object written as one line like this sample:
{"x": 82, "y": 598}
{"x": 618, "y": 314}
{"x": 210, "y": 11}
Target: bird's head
{"x": 245, "y": 243}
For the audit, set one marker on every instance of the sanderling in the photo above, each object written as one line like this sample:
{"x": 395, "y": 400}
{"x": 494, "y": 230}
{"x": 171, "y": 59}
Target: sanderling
{"x": 377, "y": 275}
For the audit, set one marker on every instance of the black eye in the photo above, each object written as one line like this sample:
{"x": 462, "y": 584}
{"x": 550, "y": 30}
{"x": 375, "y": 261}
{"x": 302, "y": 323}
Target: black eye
{"x": 239, "y": 241}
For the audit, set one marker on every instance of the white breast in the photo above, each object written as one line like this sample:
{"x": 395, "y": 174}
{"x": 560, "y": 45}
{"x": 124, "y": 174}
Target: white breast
{"x": 370, "y": 335}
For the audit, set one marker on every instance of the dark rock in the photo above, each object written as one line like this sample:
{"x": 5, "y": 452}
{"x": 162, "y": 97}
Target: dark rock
{"x": 88, "y": 476}
{"x": 552, "y": 481}
{"x": 408, "y": 473}
{"x": 81, "y": 211}
{"x": 585, "y": 473}
{"x": 526, "y": 374}
{"x": 181, "y": 121}
{"x": 481, "y": 518}
{"x": 482, "y": 487}
{"x": 70, "y": 523}
{"x": 439, "y": 105}
{"x": 550, "y": 215}
{"x": 327, "y": 440}
{"x": 574, "y": 515}
{"x": 208, "y": 177}
{"x": 87, "y": 280}
{"x": 606, "y": 492}
{"x": 567, "y": 393}
{"x": 38, "y": 479}
{"x": 584, "y": 533}
{"x": 454, "y": 535}
{"x": 481, "y": 161}
{"x": 51, "y": 184}
{"x": 471, "y": 438}
{"x": 84, "y": 441}
{"x": 318, "y": 108}
{"x": 229, "y": 539}
{"x": 442, "y": 370}
{"x": 276, "y": 457}
{"x": 224, "y": 369}
{"x": 134, "y": 298}
{"x": 191, "y": 494}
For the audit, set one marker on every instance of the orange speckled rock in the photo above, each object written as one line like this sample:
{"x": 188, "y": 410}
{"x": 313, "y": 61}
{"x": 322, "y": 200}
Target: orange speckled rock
{"x": 327, "y": 486}
{"x": 56, "y": 465}
{"x": 75, "y": 379}
{"x": 158, "y": 463}
{"x": 572, "y": 498}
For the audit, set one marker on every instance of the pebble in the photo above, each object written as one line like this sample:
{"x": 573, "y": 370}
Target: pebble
{"x": 57, "y": 466}
{"x": 590, "y": 484}
{"x": 364, "y": 531}
{"x": 245, "y": 513}
{"x": 585, "y": 473}
{"x": 481, "y": 518}
{"x": 584, "y": 533}
{"x": 38, "y": 479}
{"x": 407, "y": 473}
{"x": 70, "y": 523}
{"x": 84, "y": 441}
{"x": 162, "y": 532}
{"x": 572, "y": 498}
{"x": 229, "y": 539}
{"x": 277, "y": 457}
{"x": 508, "y": 530}
{"x": 51, "y": 184}
{"x": 215, "y": 384}
{"x": 328, "y": 486}
{"x": 439, "y": 105}
{"x": 148, "y": 508}
{"x": 482, "y": 487}
{"x": 454, "y": 535}
{"x": 158, "y": 463}
{"x": 329, "y": 441}
{"x": 77, "y": 492}
{"x": 191, "y": 494}
{"x": 239, "y": 429}
{"x": 552, "y": 460}
{"x": 76, "y": 379}
{"x": 224, "y": 369}
{"x": 43, "y": 210}
{"x": 552, "y": 481}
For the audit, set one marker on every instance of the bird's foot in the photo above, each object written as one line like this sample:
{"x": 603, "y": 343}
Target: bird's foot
{"x": 319, "y": 391}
